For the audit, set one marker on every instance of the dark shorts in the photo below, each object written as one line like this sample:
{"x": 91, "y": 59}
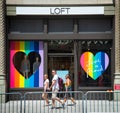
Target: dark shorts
{"x": 68, "y": 94}
{"x": 47, "y": 90}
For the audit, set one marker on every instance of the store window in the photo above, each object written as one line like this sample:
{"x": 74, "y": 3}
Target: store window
{"x": 95, "y": 25}
{"x": 26, "y": 25}
{"x": 61, "y": 58}
{"x": 94, "y": 63}
{"x": 60, "y": 26}
{"x": 26, "y": 64}
{"x": 60, "y": 46}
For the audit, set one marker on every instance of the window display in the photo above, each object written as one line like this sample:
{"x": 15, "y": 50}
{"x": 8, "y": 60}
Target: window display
{"x": 26, "y": 64}
{"x": 94, "y": 65}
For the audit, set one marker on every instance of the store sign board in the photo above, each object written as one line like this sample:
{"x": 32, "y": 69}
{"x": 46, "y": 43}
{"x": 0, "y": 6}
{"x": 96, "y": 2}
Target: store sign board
{"x": 117, "y": 86}
{"x": 90, "y": 10}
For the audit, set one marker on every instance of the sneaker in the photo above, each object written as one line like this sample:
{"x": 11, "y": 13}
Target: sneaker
{"x": 74, "y": 103}
{"x": 52, "y": 107}
{"x": 47, "y": 105}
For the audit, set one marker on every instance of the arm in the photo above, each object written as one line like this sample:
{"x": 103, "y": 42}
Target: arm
{"x": 53, "y": 83}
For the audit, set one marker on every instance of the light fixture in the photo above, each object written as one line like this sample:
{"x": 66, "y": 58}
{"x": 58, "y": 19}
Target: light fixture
{"x": 101, "y": 42}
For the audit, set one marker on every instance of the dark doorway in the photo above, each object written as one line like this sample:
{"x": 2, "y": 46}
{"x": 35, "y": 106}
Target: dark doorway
{"x": 63, "y": 65}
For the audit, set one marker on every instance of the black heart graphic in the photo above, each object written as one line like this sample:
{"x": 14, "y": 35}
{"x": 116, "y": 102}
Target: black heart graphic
{"x": 26, "y": 65}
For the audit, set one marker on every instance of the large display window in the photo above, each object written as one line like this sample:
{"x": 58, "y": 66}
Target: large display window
{"x": 26, "y": 64}
{"x": 92, "y": 60}
{"x": 94, "y": 63}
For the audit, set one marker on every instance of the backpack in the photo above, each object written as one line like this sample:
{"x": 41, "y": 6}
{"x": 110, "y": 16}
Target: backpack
{"x": 60, "y": 82}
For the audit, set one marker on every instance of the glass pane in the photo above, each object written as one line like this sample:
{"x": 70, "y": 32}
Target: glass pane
{"x": 95, "y": 25}
{"x": 60, "y": 46}
{"x": 94, "y": 68}
{"x": 63, "y": 65}
{"x": 60, "y": 25}
{"x": 26, "y": 25}
{"x": 26, "y": 64}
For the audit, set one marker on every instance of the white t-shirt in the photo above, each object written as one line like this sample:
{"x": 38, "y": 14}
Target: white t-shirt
{"x": 46, "y": 81}
{"x": 56, "y": 85}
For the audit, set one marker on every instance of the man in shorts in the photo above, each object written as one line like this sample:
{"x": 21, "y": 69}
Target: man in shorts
{"x": 55, "y": 89}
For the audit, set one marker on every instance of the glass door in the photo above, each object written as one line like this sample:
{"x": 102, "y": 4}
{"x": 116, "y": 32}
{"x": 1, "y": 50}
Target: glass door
{"x": 61, "y": 58}
{"x": 63, "y": 65}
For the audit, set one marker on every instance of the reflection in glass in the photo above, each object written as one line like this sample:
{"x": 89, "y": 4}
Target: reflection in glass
{"x": 60, "y": 46}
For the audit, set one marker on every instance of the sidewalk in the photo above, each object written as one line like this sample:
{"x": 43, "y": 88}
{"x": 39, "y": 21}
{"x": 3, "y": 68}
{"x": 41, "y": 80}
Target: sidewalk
{"x": 69, "y": 107}
{"x": 38, "y": 106}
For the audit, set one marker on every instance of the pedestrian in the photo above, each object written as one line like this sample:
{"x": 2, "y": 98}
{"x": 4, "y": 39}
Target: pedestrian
{"x": 68, "y": 89}
{"x": 55, "y": 88}
{"x": 46, "y": 89}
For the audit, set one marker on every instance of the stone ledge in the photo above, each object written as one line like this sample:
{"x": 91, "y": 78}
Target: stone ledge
{"x": 2, "y": 77}
{"x": 117, "y": 75}
{"x": 59, "y": 2}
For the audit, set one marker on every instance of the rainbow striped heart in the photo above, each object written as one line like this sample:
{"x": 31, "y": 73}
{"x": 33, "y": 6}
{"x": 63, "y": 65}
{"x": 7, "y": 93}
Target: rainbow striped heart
{"x": 94, "y": 66}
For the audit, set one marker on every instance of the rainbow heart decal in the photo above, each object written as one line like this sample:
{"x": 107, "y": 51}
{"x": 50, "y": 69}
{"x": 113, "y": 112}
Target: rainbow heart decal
{"x": 94, "y": 66}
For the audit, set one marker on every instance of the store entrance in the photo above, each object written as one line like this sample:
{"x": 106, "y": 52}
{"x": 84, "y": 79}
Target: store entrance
{"x": 63, "y": 65}
{"x": 61, "y": 58}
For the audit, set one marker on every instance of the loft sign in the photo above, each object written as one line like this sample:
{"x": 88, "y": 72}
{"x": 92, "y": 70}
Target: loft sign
{"x": 80, "y": 10}
{"x": 59, "y": 11}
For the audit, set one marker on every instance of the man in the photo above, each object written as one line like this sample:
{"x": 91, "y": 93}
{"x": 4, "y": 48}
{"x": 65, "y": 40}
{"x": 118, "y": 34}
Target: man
{"x": 55, "y": 89}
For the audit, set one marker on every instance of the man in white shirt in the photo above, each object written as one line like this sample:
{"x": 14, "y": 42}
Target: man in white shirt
{"x": 55, "y": 89}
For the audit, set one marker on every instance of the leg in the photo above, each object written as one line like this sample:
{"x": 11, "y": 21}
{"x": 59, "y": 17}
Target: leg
{"x": 72, "y": 99}
{"x": 58, "y": 99}
{"x": 65, "y": 98}
{"x": 46, "y": 99}
{"x": 55, "y": 96}
{"x": 44, "y": 96}
{"x": 53, "y": 99}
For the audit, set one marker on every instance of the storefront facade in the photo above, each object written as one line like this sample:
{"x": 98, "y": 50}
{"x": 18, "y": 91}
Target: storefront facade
{"x": 73, "y": 39}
